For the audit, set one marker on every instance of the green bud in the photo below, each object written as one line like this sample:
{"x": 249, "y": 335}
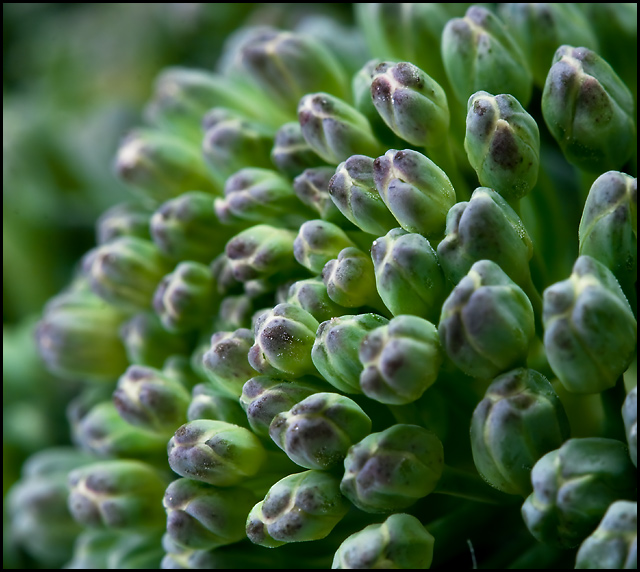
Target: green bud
{"x": 487, "y": 322}
{"x": 539, "y": 28}
{"x": 416, "y": 191}
{"x": 261, "y": 251}
{"x": 36, "y": 505}
{"x": 317, "y": 431}
{"x": 588, "y": 110}
{"x": 312, "y": 188}
{"x": 407, "y": 32}
{"x": 225, "y": 362}
{"x": 335, "y": 349}
{"x": 222, "y": 269}
{"x": 291, "y": 153}
{"x": 479, "y": 53}
{"x": 264, "y": 396}
{"x": 350, "y": 280}
{"x": 186, "y": 298}
{"x": 301, "y": 507}
{"x": 613, "y": 545}
{"x": 317, "y": 242}
{"x": 103, "y": 432}
{"x": 311, "y": 295}
{"x": 161, "y": 166}
{"x": 202, "y": 517}
{"x": 215, "y": 452}
{"x": 401, "y": 360}
{"x": 187, "y": 228}
{"x": 254, "y": 195}
{"x": 77, "y": 337}
{"x": 411, "y": 103}
{"x": 573, "y": 487}
{"x": 609, "y": 227}
{"x": 287, "y": 65}
{"x": 126, "y": 271}
{"x": 354, "y": 192}
{"x": 485, "y": 228}
{"x": 502, "y": 142}
{"x": 182, "y": 96}
{"x": 284, "y": 337}
{"x": 590, "y": 331}
{"x": 334, "y": 129}
{"x": 117, "y": 494}
{"x": 401, "y": 541}
{"x": 234, "y": 312}
{"x": 520, "y": 419}
{"x": 408, "y": 275}
{"x": 232, "y": 142}
{"x": 147, "y": 342}
{"x": 391, "y": 470}
{"x": 123, "y": 219}
{"x": 630, "y": 419}
{"x": 207, "y": 403}
{"x": 149, "y": 398}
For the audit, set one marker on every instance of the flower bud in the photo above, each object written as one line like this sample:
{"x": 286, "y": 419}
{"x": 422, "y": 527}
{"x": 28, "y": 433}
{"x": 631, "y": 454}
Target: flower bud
{"x": 588, "y": 110}
{"x": 485, "y": 228}
{"x": 411, "y": 103}
{"x": 520, "y": 419}
{"x": 202, "y": 517}
{"x": 335, "y": 349}
{"x": 232, "y": 142}
{"x": 284, "y": 337}
{"x": 254, "y": 195}
{"x": 288, "y": 65}
{"x": 77, "y": 337}
{"x": 123, "y": 219}
{"x": 147, "y": 342}
{"x": 150, "y": 398}
{"x": 126, "y": 271}
{"x": 609, "y": 227}
{"x": 311, "y": 295}
{"x": 479, "y": 52}
{"x": 301, "y": 507}
{"x": 590, "y": 331}
{"x": 334, "y": 129}
{"x": 350, "y": 280}
{"x": 401, "y": 360}
{"x": 207, "y": 403}
{"x": 264, "y": 396}
{"x": 317, "y": 242}
{"x": 502, "y": 142}
{"x": 391, "y": 470}
{"x": 630, "y": 419}
{"x": 487, "y": 323}
{"x": 573, "y": 487}
{"x": 416, "y": 191}
{"x": 408, "y": 275}
{"x": 261, "y": 251}
{"x": 317, "y": 431}
{"x": 354, "y": 192}
{"x": 186, "y": 228}
{"x": 215, "y": 452}
{"x": 118, "y": 494}
{"x": 312, "y": 188}
{"x": 401, "y": 541}
{"x": 161, "y": 166}
{"x": 225, "y": 362}
{"x": 613, "y": 545}
{"x": 291, "y": 153}
{"x": 539, "y": 28}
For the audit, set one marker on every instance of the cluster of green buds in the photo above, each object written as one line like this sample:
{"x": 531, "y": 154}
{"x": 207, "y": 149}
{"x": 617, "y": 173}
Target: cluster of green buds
{"x": 341, "y": 287}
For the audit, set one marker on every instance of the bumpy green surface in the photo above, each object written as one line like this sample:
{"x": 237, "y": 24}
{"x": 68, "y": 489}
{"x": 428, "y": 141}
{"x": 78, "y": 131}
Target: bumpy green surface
{"x": 373, "y": 285}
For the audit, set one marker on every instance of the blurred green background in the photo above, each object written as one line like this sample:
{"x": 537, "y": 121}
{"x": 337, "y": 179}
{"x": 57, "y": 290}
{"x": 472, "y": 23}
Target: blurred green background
{"x": 75, "y": 80}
